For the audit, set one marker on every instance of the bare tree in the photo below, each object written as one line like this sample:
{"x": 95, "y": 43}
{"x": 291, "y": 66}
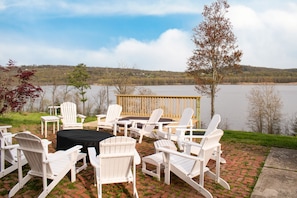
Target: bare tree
{"x": 144, "y": 91}
{"x": 122, "y": 81}
{"x": 65, "y": 93}
{"x": 100, "y": 99}
{"x": 216, "y": 53}
{"x": 265, "y": 110}
{"x": 54, "y": 91}
{"x": 293, "y": 126}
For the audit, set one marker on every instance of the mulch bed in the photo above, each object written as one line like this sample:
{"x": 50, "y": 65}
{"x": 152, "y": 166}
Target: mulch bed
{"x": 244, "y": 163}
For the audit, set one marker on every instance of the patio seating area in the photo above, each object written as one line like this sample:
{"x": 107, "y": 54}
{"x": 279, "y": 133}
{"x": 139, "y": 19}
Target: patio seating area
{"x": 241, "y": 171}
{"x": 237, "y": 177}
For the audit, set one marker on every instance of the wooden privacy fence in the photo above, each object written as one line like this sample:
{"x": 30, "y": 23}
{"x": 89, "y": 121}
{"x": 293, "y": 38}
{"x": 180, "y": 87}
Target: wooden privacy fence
{"x": 173, "y": 106}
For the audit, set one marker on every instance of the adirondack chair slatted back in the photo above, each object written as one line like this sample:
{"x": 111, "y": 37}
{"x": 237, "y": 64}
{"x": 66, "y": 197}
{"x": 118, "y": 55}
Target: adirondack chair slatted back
{"x": 154, "y": 118}
{"x": 166, "y": 144}
{"x": 213, "y": 125}
{"x": 113, "y": 112}
{"x": 48, "y": 166}
{"x": 34, "y": 151}
{"x": 185, "y": 120}
{"x": 186, "y": 117}
{"x": 116, "y": 158}
{"x": 68, "y": 112}
{"x": 209, "y": 145}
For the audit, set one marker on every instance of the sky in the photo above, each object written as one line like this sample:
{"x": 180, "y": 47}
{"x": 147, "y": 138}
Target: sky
{"x": 140, "y": 34}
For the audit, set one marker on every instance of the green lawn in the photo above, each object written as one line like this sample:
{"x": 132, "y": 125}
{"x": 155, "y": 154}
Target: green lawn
{"x": 18, "y": 120}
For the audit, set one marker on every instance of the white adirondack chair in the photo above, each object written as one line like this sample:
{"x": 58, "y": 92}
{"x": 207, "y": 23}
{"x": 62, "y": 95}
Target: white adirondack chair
{"x": 49, "y": 166}
{"x": 147, "y": 126}
{"x": 69, "y": 116}
{"x": 116, "y": 162}
{"x": 183, "y": 125}
{"x": 212, "y": 126}
{"x": 187, "y": 167}
{"x": 8, "y": 152}
{"x": 113, "y": 114}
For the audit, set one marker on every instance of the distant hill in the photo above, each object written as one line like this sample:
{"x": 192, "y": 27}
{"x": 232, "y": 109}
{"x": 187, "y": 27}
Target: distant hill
{"x": 50, "y": 74}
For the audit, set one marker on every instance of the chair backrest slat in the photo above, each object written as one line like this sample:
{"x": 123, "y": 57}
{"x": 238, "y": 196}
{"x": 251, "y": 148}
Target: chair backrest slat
{"x": 116, "y": 157}
{"x": 113, "y": 112}
{"x": 34, "y": 151}
{"x": 185, "y": 120}
{"x": 68, "y": 112}
{"x": 154, "y": 118}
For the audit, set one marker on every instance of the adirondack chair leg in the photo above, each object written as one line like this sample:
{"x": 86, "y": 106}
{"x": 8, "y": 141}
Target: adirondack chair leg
{"x": 82, "y": 157}
{"x": 221, "y": 181}
{"x": 12, "y": 168}
{"x": 20, "y": 185}
{"x": 140, "y": 139}
{"x": 198, "y": 187}
{"x": 156, "y": 160}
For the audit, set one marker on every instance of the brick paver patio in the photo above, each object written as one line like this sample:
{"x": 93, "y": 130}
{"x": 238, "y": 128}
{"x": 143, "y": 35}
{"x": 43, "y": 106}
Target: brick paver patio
{"x": 243, "y": 166}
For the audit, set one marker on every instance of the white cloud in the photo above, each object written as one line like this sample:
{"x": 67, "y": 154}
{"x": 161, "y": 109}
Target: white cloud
{"x": 169, "y": 52}
{"x": 111, "y": 7}
{"x": 267, "y": 37}
{"x": 266, "y": 32}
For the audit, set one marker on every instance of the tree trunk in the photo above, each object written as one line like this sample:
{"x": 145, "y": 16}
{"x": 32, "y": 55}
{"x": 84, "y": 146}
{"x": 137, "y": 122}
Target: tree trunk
{"x": 212, "y": 96}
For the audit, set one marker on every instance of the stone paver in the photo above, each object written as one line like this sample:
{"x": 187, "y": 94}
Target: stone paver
{"x": 278, "y": 177}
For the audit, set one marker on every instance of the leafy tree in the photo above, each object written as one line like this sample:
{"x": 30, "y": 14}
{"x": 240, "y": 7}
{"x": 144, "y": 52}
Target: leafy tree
{"x": 16, "y": 88}
{"x": 79, "y": 79}
{"x": 264, "y": 110}
{"x": 216, "y": 51}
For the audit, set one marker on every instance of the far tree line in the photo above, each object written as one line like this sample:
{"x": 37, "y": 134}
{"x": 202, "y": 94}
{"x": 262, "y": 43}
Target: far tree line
{"x": 104, "y": 75}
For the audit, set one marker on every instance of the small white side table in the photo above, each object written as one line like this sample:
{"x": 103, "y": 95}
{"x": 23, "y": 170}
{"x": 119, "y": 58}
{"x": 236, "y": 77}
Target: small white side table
{"x": 121, "y": 122}
{"x": 53, "y": 110}
{"x": 46, "y": 119}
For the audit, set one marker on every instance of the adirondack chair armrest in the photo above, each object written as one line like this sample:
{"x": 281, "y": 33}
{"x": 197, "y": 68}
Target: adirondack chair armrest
{"x": 46, "y": 142}
{"x": 167, "y": 123}
{"x": 135, "y": 122}
{"x": 199, "y": 130}
{"x": 137, "y": 158}
{"x": 11, "y": 146}
{"x": 170, "y": 151}
{"x": 95, "y": 161}
{"x": 5, "y": 127}
{"x": 188, "y": 146}
{"x": 177, "y": 126}
{"x": 117, "y": 118}
{"x": 8, "y": 135}
{"x": 170, "y": 124}
{"x": 138, "y": 121}
{"x": 100, "y": 116}
{"x": 6, "y": 139}
{"x": 62, "y": 154}
{"x": 82, "y": 117}
{"x": 76, "y": 148}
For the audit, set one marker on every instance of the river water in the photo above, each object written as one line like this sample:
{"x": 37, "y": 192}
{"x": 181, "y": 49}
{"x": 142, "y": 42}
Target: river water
{"x": 231, "y": 101}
